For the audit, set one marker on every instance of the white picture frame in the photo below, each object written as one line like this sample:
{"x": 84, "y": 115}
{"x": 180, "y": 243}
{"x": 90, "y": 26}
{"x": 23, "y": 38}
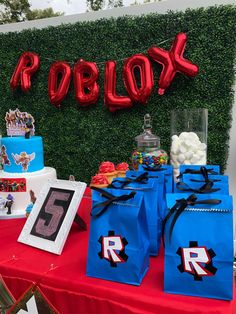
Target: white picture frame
{"x": 49, "y": 223}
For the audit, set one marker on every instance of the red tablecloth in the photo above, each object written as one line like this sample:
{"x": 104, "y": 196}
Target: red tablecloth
{"x": 70, "y": 291}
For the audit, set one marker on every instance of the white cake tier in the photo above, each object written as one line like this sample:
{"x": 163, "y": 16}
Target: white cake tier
{"x": 34, "y": 181}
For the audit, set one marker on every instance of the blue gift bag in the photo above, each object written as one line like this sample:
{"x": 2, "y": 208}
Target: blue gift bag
{"x": 198, "y": 237}
{"x": 154, "y": 201}
{"x": 119, "y": 242}
{"x": 201, "y": 188}
{"x": 166, "y": 169}
{"x": 197, "y": 169}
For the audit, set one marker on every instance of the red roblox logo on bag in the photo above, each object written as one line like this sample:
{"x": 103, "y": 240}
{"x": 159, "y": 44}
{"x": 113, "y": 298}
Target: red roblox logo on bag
{"x": 113, "y": 248}
{"x": 196, "y": 261}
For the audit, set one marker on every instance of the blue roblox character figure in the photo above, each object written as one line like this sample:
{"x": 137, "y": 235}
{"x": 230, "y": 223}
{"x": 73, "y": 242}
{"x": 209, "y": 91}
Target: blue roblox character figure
{"x": 118, "y": 242}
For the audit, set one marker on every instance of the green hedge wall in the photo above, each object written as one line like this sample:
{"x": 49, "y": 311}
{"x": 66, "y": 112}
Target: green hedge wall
{"x": 77, "y": 139}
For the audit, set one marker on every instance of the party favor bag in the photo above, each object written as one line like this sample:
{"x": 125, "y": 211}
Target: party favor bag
{"x": 153, "y": 190}
{"x": 196, "y": 169}
{"x": 198, "y": 237}
{"x": 168, "y": 173}
{"x": 119, "y": 241}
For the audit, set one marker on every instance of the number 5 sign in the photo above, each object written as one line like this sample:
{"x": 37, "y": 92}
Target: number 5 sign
{"x": 49, "y": 223}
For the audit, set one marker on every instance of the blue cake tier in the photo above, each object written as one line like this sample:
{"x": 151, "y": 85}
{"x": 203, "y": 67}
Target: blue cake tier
{"x": 22, "y": 155}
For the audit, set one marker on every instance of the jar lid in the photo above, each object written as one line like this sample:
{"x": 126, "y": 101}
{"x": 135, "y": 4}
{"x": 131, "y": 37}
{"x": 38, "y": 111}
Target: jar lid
{"x": 147, "y": 138}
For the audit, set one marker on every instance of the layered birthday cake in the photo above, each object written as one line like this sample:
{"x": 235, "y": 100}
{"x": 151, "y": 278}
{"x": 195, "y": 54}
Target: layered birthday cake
{"x": 22, "y": 158}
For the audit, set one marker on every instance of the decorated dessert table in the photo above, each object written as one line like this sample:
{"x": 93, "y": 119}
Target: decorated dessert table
{"x": 63, "y": 278}
{"x": 113, "y": 148}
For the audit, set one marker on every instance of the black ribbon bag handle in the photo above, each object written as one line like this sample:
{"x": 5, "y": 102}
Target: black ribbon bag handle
{"x": 199, "y": 171}
{"x": 100, "y": 208}
{"x": 204, "y": 173}
{"x": 179, "y": 208}
{"x": 204, "y": 189}
{"x": 142, "y": 178}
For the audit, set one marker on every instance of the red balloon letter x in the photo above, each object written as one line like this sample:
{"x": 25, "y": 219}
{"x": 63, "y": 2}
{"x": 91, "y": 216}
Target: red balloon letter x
{"x": 172, "y": 61}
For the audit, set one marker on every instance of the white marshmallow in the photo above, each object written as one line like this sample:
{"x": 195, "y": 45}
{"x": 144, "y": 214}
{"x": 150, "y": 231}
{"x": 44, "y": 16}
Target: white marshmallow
{"x": 201, "y": 153}
{"x": 182, "y": 149}
{"x": 194, "y": 136}
{"x": 188, "y": 143}
{"x": 173, "y": 157}
{"x": 202, "y": 146}
{"x": 194, "y": 159}
{"x": 188, "y": 155}
{"x": 194, "y": 148}
{"x": 175, "y": 138}
{"x": 175, "y": 147}
{"x": 202, "y": 161}
{"x": 183, "y": 135}
{"x": 181, "y": 158}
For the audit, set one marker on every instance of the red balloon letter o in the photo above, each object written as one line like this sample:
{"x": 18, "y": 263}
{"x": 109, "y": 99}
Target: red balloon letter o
{"x": 142, "y": 64}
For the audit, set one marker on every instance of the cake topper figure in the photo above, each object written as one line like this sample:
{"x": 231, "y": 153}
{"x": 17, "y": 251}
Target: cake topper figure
{"x": 31, "y": 204}
{"x": 29, "y": 126}
{"x": 4, "y": 156}
{"x": 7, "y": 203}
{"x": 19, "y": 123}
{"x": 23, "y": 159}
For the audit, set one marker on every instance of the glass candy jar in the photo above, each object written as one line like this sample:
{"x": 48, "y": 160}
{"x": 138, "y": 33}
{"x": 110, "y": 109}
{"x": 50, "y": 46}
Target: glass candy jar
{"x": 188, "y": 137}
{"x": 148, "y": 151}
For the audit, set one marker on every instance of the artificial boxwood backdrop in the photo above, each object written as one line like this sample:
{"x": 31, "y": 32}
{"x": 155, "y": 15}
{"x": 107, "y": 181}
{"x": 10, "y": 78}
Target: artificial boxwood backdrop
{"x": 77, "y": 139}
